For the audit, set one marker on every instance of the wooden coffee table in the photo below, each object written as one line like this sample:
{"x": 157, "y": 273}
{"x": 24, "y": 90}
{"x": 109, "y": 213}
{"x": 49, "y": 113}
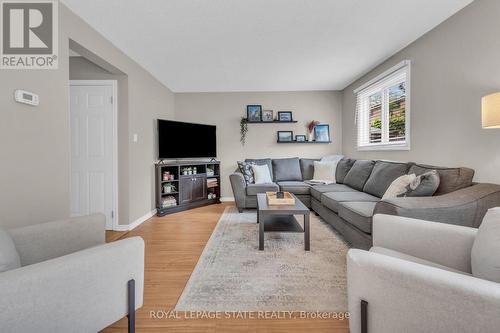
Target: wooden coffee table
{"x": 281, "y": 219}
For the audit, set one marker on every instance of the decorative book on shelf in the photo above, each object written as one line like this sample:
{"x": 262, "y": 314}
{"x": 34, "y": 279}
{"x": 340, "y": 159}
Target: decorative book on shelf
{"x": 169, "y": 201}
{"x": 212, "y": 182}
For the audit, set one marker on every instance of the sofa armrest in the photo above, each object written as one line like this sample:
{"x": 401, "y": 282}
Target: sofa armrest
{"x": 239, "y": 186}
{"x": 84, "y": 291}
{"x": 465, "y": 207}
{"x": 444, "y": 244}
{"x": 404, "y": 296}
{"x": 49, "y": 240}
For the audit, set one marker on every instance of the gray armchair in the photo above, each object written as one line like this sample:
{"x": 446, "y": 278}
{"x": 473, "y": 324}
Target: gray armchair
{"x": 70, "y": 280}
{"x": 417, "y": 278}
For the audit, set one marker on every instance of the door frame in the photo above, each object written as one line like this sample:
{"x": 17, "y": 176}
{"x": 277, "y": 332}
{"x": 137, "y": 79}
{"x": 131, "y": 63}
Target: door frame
{"x": 114, "y": 85}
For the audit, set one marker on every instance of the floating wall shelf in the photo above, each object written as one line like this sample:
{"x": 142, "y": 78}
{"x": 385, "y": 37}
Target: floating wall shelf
{"x": 271, "y": 122}
{"x": 309, "y": 142}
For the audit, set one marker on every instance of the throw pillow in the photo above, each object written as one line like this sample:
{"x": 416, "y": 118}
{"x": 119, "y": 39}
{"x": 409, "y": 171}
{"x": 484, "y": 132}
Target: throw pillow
{"x": 246, "y": 170}
{"x": 399, "y": 186}
{"x": 424, "y": 185}
{"x": 485, "y": 260}
{"x": 261, "y": 174}
{"x": 324, "y": 172}
{"x": 332, "y": 158}
{"x": 9, "y": 258}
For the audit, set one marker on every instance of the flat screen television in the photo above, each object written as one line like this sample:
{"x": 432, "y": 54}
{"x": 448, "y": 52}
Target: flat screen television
{"x": 178, "y": 140}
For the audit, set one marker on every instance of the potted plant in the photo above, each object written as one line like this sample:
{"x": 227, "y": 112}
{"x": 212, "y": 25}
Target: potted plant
{"x": 310, "y": 128}
{"x": 243, "y": 130}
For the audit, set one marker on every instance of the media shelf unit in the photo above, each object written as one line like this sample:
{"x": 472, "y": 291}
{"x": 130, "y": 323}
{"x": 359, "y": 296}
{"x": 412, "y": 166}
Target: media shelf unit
{"x": 189, "y": 190}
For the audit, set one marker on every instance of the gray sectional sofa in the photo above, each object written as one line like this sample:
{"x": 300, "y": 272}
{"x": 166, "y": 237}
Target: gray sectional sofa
{"x": 350, "y": 204}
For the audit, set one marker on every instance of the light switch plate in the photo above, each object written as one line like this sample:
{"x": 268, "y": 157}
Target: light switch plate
{"x": 135, "y": 138}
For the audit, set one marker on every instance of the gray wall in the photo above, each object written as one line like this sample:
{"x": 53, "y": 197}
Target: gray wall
{"x": 453, "y": 66}
{"x": 35, "y": 170}
{"x": 226, "y": 109}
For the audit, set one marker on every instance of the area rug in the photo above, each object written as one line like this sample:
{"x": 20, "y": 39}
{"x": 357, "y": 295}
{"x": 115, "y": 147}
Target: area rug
{"x": 233, "y": 275}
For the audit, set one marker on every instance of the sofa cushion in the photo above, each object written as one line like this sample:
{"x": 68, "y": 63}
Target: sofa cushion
{"x": 359, "y": 174}
{"x": 295, "y": 187}
{"x": 359, "y": 214}
{"x": 262, "y": 161}
{"x": 332, "y": 200}
{"x": 450, "y": 179}
{"x": 318, "y": 190}
{"x": 382, "y": 176}
{"x": 253, "y": 189}
{"x": 287, "y": 169}
{"x": 307, "y": 168}
{"x": 343, "y": 167}
{"x": 9, "y": 257}
{"x": 485, "y": 260}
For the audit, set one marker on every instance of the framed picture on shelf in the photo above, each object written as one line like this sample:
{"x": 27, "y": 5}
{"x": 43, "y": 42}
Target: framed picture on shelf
{"x": 322, "y": 133}
{"x": 285, "y": 116}
{"x": 267, "y": 115}
{"x": 300, "y": 138}
{"x": 285, "y": 136}
{"x": 254, "y": 112}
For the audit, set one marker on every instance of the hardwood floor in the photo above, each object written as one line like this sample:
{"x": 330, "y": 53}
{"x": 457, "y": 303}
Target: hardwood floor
{"x": 173, "y": 245}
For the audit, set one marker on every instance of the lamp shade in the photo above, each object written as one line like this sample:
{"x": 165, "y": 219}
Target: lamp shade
{"x": 490, "y": 109}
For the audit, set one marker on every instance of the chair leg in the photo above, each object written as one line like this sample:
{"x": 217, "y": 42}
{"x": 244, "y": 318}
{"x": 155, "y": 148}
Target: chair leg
{"x": 240, "y": 210}
{"x": 131, "y": 306}
{"x": 364, "y": 316}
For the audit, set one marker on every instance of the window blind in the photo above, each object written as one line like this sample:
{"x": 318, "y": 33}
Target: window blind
{"x": 382, "y": 110}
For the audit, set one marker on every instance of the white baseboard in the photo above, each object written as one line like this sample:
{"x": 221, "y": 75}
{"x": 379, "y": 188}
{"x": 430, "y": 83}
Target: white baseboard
{"x": 227, "y": 199}
{"x": 136, "y": 223}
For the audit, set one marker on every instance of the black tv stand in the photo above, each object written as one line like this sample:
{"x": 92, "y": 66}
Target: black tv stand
{"x": 182, "y": 185}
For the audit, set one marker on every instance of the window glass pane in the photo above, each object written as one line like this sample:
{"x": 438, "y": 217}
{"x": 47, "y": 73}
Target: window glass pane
{"x": 375, "y": 120}
{"x": 397, "y": 109}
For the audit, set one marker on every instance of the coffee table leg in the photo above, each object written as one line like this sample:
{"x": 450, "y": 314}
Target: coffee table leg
{"x": 261, "y": 232}
{"x": 306, "y": 232}
{"x": 258, "y": 212}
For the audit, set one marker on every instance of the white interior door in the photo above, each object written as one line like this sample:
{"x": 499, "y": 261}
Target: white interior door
{"x": 91, "y": 118}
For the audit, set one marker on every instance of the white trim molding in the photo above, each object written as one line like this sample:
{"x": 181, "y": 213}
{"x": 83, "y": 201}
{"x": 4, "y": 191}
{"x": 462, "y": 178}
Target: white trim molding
{"x": 227, "y": 199}
{"x": 383, "y": 75}
{"x": 136, "y": 223}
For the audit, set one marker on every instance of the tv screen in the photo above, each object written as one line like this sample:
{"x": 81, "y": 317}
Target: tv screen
{"x": 185, "y": 140}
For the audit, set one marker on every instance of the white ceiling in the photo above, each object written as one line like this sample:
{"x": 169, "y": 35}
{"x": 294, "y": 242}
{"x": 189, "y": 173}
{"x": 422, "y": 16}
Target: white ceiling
{"x": 262, "y": 45}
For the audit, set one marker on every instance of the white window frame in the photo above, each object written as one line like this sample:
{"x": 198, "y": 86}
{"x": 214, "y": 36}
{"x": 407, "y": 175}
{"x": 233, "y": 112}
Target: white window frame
{"x": 383, "y": 81}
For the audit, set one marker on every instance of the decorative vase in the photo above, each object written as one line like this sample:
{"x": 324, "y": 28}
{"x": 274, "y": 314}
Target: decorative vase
{"x": 310, "y": 137}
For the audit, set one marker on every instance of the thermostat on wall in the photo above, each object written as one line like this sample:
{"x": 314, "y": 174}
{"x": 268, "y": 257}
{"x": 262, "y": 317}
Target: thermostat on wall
{"x": 26, "y": 97}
